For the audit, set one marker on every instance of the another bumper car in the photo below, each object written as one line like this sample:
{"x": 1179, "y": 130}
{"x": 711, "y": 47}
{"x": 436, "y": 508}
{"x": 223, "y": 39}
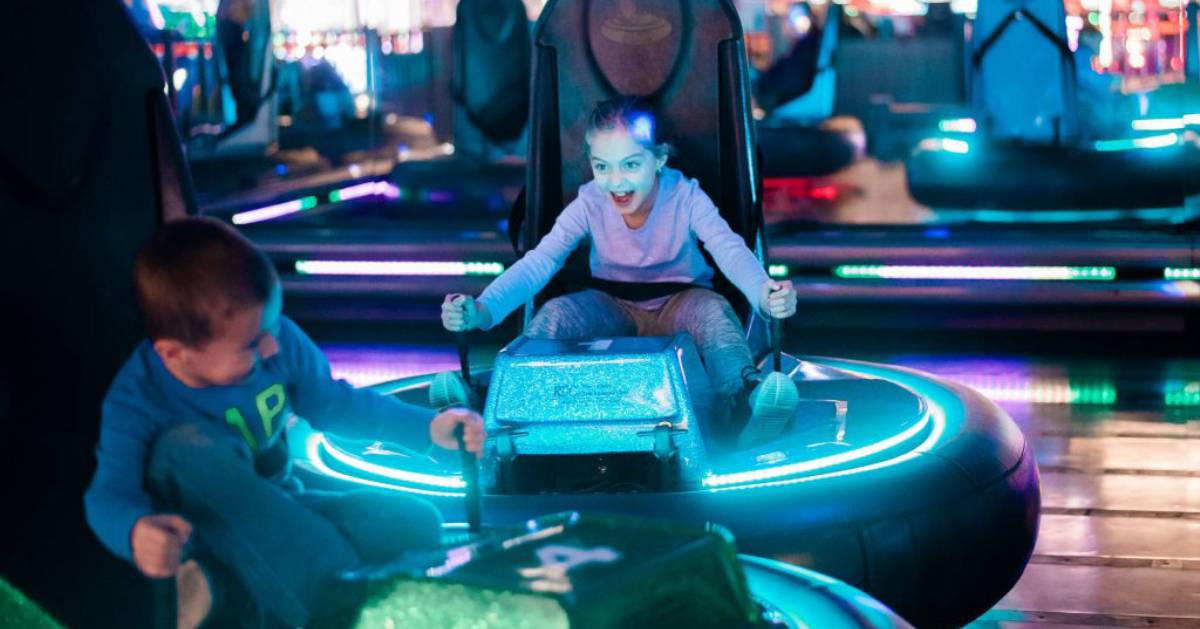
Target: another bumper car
{"x": 1030, "y": 146}
{"x": 568, "y": 570}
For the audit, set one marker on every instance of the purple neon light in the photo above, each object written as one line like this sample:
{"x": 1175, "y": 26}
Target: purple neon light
{"x": 367, "y": 364}
{"x": 385, "y": 189}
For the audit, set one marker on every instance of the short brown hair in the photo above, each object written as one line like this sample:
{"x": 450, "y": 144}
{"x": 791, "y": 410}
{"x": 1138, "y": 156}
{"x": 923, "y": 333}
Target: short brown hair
{"x": 196, "y": 272}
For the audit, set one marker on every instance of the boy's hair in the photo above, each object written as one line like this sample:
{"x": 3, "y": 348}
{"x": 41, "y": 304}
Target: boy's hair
{"x": 632, "y": 114}
{"x": 194, "y": 274}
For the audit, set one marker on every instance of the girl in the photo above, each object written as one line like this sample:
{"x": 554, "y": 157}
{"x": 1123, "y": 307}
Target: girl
{"x": 644, "y": 222}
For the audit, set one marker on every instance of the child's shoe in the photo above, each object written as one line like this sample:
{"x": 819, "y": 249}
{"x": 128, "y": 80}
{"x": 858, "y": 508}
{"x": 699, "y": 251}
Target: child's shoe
{"x": 448, "y": 390}
{"x": 772, "y": 404}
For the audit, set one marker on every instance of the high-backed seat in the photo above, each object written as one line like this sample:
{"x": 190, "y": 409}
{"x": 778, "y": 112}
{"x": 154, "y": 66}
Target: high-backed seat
{"x": 686, "y": 59}
{"x": 1013, "y": 42}
{"x": 490, "y": 81}
{"x": 816, "y": 103}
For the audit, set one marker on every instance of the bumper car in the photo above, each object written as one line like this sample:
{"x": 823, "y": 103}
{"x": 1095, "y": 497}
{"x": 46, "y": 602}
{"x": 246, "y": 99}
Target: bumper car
{"x": 1035, "y": 149}
{"x": 797, "y": 94}
{"x": 573, "y": 570}
{"x": 920, "y": 492}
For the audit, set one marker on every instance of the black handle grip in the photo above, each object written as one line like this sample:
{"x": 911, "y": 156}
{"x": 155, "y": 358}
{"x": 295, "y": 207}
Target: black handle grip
{"x": 470, "y": 472}
{"x": 777, "y": 343}
{"x": 460, "y": 341}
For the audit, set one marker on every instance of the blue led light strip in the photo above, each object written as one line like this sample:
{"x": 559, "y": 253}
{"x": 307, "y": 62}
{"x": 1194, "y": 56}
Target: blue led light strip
{"x": 318, "y": 443}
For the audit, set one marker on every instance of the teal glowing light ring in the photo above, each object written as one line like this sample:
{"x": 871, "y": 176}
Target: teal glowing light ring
{"x": 937, "y": 416}
{"x": 754, "y": 477}
{"x": 934, "y": 419}
{"x": 397, "y": 478}
{"x": 930, "y": 429}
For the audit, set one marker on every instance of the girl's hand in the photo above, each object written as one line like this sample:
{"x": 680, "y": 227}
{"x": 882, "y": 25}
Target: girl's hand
{"x": 778, "y": 299}
{"x": 460, "y": 313}
{"x": 441, "y": 429}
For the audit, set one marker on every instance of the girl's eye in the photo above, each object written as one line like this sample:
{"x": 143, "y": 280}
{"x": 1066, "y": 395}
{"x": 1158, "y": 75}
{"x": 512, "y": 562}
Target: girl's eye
{"x": 632, "y": 166}
{"x": 599, "y": 167}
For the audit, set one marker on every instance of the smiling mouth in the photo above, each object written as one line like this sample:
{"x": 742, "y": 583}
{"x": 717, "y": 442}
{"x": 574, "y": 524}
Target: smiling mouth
{"x": 622, "y": 199}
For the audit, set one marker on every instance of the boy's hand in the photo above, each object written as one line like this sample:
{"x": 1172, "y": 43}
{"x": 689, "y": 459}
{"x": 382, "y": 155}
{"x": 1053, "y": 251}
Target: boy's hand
{"x": 157, "y": 542}
{"x": 778, "y": 299}
{"x": 441, "y": 429}
{"x": 461, "y": 313}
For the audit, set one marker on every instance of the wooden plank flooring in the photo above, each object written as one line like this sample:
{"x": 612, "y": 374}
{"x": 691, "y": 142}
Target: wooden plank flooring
{"x": 1119, "y": 543}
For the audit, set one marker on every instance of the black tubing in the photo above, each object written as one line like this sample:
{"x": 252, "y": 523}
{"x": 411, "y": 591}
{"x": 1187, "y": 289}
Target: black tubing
{"x": 470, "y": 472}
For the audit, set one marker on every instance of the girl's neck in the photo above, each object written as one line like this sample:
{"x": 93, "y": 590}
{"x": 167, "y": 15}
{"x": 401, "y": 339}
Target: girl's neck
{"x": 637, "y": 219}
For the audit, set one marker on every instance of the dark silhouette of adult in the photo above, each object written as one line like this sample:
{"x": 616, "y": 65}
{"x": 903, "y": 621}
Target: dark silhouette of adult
{"x": 90, "y": 163}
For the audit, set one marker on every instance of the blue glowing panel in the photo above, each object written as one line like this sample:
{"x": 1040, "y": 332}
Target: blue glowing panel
{"x": 598, "y": 396}
{"x": 620, "y": 388}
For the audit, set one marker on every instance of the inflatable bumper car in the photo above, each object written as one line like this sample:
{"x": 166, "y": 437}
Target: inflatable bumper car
{"x": 920, "y": 492}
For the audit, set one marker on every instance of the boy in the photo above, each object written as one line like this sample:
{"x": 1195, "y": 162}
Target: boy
{"x": 192, "y": 451}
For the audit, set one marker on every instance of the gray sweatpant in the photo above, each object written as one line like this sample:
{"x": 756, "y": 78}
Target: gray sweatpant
{"x": 704, "y": 314}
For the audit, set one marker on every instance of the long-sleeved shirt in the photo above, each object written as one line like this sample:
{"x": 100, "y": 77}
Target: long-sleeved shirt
{"x": 664, "y": 249}
{"x": 145, "y": 400}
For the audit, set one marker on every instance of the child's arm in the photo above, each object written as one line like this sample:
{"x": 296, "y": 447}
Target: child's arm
{"x": 337, "y": 405}
{"x": 728, "y": 249}
{"x": 530, "y": 274}
{"x": 115, "y": 499}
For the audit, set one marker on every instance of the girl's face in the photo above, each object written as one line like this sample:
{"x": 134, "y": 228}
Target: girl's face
{"x": 623, "y": 169}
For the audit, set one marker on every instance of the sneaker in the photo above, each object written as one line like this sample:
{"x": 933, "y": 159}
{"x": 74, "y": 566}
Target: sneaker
{"x": 448, "y": 390}
{"x": 193, "y": 595}
{"x": 772, "y": 404}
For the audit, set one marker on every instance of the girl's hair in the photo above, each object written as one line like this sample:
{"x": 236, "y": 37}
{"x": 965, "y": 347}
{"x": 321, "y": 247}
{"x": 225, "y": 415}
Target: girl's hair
{"x": 631, "y": 114}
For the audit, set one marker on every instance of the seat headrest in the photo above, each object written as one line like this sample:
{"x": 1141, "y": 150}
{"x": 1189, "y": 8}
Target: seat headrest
{"x": 664, "y": 51}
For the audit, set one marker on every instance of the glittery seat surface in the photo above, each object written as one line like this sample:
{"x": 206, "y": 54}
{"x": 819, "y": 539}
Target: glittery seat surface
{"x": 603, "y": 395}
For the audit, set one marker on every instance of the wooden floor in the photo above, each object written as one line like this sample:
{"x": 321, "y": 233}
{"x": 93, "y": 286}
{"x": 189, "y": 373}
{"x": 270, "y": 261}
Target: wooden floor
{"x": 1119, "y": 543}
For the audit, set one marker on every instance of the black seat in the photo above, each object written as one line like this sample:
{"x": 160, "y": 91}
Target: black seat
{"x": 687, "y": 60}
{"x": 490, "y": 81}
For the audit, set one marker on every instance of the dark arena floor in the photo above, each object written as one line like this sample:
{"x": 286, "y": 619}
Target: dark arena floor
{"x": 972, "y": 226}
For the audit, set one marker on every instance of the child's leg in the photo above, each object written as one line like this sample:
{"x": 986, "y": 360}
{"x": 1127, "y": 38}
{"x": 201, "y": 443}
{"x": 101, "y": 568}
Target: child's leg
{"x": 718, "y": 334}
{"x": 379, "y": 525}
{"x": 582, "y": 315}
{"x": 283, "y": 553}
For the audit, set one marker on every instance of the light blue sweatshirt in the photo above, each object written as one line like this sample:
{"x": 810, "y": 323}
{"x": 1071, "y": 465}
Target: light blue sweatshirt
{"x": 664, "y": 249}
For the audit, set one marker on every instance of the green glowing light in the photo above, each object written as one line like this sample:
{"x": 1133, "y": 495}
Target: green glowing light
{"x": 408, "y": 603}
{"x": 335, "y": 196}
{"x": 934, "y": 272}
{"x": 1182, "y": 393}
{"x": 1098, "y": 393}
{"x": 17, "y": 610}
{"x": 958, "y": 125}
{"x": 778, "y": 270}
{"x": 1181, "y": 273}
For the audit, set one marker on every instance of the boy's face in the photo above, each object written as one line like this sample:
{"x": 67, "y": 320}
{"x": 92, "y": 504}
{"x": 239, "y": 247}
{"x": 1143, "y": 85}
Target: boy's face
{"x": 238, "y": 343}
{"x": 624, "y": 170}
